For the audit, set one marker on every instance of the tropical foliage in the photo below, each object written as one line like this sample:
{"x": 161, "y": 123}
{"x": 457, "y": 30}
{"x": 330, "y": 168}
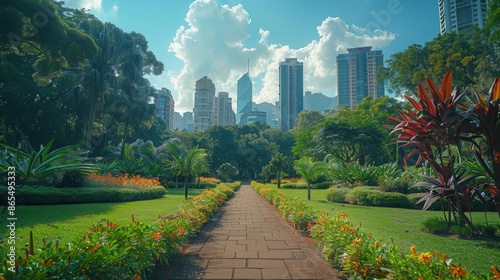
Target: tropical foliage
{"x": 435, "y": 127}
{"x": 43, "y": 163}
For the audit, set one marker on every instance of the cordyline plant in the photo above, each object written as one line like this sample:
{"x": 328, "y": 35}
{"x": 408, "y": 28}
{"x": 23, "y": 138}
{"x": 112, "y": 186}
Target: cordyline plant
{"x": 486, "y": 114}
{"x": 438, "y": 123}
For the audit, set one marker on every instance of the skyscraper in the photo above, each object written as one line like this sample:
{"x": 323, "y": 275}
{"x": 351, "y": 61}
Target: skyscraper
{"x": 460, "y": 15}
{"x": 204, "y": 104}
{"x": 164, "y": 104}
{"x": 244, "y": 95}
{"x": 357, "y": 75}
{"x": 291, "y": 92}
{"x": 224, "y": 110}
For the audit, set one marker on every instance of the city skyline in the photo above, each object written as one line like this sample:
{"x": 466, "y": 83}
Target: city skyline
{"x": 216, "y": 39}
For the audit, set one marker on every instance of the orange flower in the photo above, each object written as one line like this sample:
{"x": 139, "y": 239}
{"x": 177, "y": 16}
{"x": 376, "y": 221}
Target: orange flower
{"x": 376, "y": 244}
{"x": 414, "y": 250}
{"x": 458, "y": 270}
{"x": 496, "y": 273}
{"x": 356, "y": 241}
{"x": 96, "y": 246}
{"x": 355, "y": 265}
{"x": 156, "y": 236}
{"x": 344, "y": 215}
{"x": 180, "y": 230}
{"x": 425, "y": 257}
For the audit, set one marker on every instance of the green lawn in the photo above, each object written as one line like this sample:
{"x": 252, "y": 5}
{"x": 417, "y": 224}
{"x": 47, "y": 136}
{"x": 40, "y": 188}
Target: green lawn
{"x": 69, "y": 221}
{"x": 404, "y": 228}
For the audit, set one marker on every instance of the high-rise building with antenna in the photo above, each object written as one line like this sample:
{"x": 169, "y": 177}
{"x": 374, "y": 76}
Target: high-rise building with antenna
{"x": 244, "y": 95}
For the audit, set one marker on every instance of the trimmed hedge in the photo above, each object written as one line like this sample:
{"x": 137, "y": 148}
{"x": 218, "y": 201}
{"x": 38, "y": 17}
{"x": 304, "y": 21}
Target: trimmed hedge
{"x": 192, "y": 185}
{"x": 49, "y": 195}
{"x": 303, "y": 185}
{"x": 369, "y": 196}
{"x": 337, "y": 195}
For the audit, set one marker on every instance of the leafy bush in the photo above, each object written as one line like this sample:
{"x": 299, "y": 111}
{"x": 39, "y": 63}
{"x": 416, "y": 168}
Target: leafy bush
{"x": 71, "y": 179}
{"x": 337, "y": 195}
{"x": 203, "y": 185}
{"x": 366, "y": 174}
{"x": 436, "y": 225}
{"x": 322, "y": 185}
{"x": 49, "y": 195}
{"x": 373, "y": 197}
{"x": 462, "y": 231}
{"x": 404, "y": 182}
{"x": 488, "y": 230}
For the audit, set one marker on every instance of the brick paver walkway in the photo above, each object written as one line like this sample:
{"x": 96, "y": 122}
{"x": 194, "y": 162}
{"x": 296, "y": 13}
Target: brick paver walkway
{"x": 248, "y": 239}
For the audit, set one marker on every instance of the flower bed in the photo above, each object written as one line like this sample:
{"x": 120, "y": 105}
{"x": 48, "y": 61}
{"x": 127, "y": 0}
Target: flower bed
{"x": 111, "y": 251}
{"x": 361, "y": 256}
{"x": 121, "y": 181}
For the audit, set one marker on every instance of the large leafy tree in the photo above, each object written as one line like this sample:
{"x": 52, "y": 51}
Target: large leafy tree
{"x": 470, "y": 54}
{"x": 307, "y": 126}
{"x": 348, "y": 143}
{"x": 36, "y": 28}
{"x": 37, "y": 42}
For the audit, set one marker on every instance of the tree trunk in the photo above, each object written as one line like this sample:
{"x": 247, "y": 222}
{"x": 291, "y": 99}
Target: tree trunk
{"x": 125, "y": 136}
{"x": 198, "y": 182}
{"x": 186, "y": 188}
{"x": 496, "y": 199}
{"x": 87, "y": 133}
{"x": 176, "y": 181}
{"x": 308, "y": 190}
{"x": 279, "y": 180}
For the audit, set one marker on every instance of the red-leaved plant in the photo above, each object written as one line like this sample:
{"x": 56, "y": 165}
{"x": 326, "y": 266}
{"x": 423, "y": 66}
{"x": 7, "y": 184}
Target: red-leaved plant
{"x": 436, "y": 124}
{"x": 486, "y": 115}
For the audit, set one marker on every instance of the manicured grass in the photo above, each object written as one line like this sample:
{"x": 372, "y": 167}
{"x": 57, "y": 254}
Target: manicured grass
{"x": 404, "y": 228}
{"x": 69, "y": 221}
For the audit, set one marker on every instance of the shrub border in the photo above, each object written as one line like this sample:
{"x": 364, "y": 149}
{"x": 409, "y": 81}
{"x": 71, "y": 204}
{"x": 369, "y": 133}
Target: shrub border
{"x": 111, "y": 251}
{"x": 361, "y": 256}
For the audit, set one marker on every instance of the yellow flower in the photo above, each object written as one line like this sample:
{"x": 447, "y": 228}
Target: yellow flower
{"x": 425, "y": 257}
{"x": 458, "y": 270}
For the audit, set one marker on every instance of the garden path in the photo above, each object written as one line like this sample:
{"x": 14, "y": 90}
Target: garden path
{"x": 248, "y": 239}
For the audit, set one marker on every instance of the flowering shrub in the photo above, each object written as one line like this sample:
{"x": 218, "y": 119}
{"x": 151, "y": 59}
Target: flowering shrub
{"x": 121, "y": 181}
{"x": 112, "y": 251}
{"x": 362, "y": 256}
{"x": 208, "y": 179}
{"x": 286, "y": 180}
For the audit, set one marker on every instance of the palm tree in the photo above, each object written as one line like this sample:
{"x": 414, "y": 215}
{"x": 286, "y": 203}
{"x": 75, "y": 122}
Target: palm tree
{"x": 89, "y": 85}
{"x": 174, "y": 159}
{"x": 278, "y": 165}
{"x": 310, "y": 170}
{"x": 183, "y": 161}
{"x": 200, "y": 167}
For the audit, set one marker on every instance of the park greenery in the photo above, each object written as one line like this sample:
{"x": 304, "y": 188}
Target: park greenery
{"x": 78, "y": 126}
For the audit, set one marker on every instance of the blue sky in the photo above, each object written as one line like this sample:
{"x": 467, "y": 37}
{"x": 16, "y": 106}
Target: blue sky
{"x": 216, "y": 37}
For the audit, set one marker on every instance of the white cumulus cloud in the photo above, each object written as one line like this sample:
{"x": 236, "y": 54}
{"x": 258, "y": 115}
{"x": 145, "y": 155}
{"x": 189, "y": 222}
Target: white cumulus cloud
{"x": 213, "y": 44}
{"x": 95, "y": 7}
